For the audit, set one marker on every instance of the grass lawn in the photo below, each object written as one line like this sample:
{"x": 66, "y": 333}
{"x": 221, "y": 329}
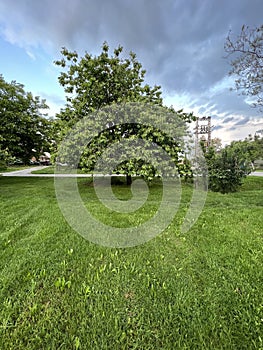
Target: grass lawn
{"x": 200, "y": 290}
{"x": 47, "y": 170}
{"x": 14, "y": 168}
{"x": 50, "y": 170}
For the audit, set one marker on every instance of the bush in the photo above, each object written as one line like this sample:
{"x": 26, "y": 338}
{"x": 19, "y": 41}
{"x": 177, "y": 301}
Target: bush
{"x": 226, "y": 169}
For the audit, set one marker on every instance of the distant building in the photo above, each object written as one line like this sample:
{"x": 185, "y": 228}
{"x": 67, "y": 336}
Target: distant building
{"x": 259, "y": 133}
{"x": 44, "y": 159}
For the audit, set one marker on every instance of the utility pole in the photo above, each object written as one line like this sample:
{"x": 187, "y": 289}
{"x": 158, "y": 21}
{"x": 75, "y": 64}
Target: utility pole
{"x": 203, "y": 127}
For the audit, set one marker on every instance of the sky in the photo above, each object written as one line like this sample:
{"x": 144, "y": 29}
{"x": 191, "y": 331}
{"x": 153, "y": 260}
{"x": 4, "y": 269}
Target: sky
{"x": 180, "y": 43}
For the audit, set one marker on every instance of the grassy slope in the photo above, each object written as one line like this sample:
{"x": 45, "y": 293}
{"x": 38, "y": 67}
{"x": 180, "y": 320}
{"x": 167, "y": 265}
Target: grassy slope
{"x": 201, "y": 290}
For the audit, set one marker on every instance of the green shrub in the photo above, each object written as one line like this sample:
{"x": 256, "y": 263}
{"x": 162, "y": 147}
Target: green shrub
{"x": 226, "y": 169}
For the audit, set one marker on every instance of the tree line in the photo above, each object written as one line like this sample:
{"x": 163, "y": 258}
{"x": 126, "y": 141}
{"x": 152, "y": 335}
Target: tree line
{"x": 91, "y": 83}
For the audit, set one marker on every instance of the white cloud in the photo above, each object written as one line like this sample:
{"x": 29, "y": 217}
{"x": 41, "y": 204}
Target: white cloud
{"x": 54, "y": 101}
{"x": 31, "y": 55}
{"x": 180, "y": 43}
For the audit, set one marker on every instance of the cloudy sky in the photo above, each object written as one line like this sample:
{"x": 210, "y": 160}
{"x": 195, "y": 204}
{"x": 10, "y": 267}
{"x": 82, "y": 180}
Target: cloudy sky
{"x": 179, "y": 42}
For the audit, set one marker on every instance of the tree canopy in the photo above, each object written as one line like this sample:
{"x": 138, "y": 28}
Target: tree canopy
{"x": 24, "y": 131}
{"x": 247, "y": 64}
{"x": 93, "y": 83}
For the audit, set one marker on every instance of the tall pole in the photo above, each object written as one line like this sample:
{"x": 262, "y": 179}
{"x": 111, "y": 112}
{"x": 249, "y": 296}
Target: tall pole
{"x": 203, "y": 129}
{"x": 209, "y": 131}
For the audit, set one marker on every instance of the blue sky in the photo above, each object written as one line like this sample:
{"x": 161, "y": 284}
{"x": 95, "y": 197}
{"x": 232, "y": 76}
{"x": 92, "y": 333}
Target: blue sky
{"x": 180, "y": 44}
{"x": 35, "y": 70}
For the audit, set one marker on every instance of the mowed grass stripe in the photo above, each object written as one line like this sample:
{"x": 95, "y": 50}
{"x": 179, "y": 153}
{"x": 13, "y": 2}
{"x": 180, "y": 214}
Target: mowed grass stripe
{"x": 199, "y": 290}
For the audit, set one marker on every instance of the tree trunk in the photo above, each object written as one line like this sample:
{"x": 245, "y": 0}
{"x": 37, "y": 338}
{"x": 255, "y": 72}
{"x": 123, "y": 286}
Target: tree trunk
{"x": 128, "y": 180}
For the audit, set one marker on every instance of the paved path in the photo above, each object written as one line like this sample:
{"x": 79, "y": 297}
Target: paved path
{"x": 24, "y": 172}
{"x": 27, "y": 173}
{"x": 257, "y": 173}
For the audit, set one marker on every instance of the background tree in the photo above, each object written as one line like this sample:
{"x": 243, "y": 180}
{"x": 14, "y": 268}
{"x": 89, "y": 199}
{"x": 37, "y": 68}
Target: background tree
{"x": 5, "y": 158}
{"x": 249, "y": 149}
{"x": 24, "y": 132}
{"x": 258, "y": 161}
{"x": 247, "y": 65}
{"x": 216, "y": 143}
{"x": 93, "y": 82}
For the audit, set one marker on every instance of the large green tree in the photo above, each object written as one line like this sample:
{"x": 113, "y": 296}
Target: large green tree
{"x": 24, "y": 131}
{"x": 92, "y": 83}
{"x": 247, "y": 64}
